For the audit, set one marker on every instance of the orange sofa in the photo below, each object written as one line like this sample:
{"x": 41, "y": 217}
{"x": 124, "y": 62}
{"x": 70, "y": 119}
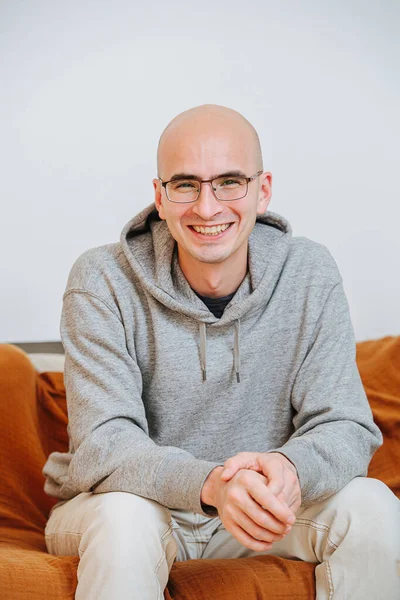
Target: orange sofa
{"x": 33, "y": 424}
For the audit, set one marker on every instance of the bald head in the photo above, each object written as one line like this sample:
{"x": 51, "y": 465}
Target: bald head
{"x": 203, "y": 125}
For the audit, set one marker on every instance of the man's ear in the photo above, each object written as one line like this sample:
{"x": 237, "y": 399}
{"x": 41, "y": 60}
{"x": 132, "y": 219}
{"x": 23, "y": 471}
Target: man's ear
{"x": 265, "y": 192}
{"x": 158, "y": 198}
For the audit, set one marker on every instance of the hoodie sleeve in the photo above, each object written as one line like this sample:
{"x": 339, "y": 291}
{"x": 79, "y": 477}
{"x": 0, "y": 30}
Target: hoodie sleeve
{"x": 335, "y": 436}
{"x": 110, "y": 449}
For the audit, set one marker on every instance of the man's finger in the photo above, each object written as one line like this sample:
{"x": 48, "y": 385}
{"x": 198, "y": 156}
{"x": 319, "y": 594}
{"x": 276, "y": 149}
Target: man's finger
{"x": 257, "y": 530}
{"x": 246, "y": 505}
{"x": 247, "y": 540}
{"x": 244, "y": 460}
{"x": 274, "y": 471}
{"x": 282, "y": 497}
{"x": 262, "y": 494}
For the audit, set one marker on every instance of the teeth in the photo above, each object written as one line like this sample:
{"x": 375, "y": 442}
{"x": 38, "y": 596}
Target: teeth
{"x": 211, "y": 230}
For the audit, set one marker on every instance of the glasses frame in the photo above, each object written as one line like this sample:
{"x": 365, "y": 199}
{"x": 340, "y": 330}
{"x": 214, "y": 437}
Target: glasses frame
{"x": 248, "y": 179}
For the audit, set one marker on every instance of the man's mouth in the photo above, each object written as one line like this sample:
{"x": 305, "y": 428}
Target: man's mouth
{"x": 215, "y": 230}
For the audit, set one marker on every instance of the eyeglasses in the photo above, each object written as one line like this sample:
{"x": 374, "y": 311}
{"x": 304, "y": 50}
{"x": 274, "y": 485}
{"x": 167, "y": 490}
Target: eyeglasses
{"x": 225, "y": 187}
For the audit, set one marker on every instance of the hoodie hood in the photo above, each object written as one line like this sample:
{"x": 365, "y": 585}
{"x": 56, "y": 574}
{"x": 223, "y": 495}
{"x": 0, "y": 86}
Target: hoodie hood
{"x": 152, "y": 254}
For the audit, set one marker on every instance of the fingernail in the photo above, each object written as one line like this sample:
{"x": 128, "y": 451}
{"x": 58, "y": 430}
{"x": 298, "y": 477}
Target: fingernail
{"x": 291, "y": 519}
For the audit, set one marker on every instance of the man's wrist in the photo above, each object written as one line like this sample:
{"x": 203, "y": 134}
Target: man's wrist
{"x": 289, "y": 463}
{"x": 207, "y": 494}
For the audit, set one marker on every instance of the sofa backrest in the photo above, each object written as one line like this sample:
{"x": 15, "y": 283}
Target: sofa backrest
{"x": 378, "y": 362}
{"x": 33, "y": 423}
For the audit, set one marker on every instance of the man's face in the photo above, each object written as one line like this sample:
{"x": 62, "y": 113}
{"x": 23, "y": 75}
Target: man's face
{"x": 208, "y": 155}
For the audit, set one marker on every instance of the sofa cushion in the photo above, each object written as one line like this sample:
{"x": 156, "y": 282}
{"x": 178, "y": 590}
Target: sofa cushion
{"x": 379, "y": 364}
{"x": 36, "y": 575}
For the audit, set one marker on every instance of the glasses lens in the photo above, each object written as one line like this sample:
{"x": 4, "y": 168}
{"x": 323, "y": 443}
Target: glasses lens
{"x": 230, "y": 188}
{"x": 183, "y": 190}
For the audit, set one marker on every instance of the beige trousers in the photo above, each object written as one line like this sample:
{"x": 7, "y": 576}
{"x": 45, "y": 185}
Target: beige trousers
{"x": 127, "y": 544}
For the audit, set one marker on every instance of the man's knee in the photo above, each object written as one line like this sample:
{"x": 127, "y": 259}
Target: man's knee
{"x": 124, "y": 527}
{"x": 113, "y": 521}
{"x": 368, "y": 494}
{"x": 129, "y": 509}
{"x": 124, "y": 542}
{"x": 370, "y": 507}
{"x": 123, "y": 516}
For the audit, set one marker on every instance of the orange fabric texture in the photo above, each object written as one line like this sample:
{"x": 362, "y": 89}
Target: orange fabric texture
{"x": 379, "y": 365}
{"x": 33, "y": 424}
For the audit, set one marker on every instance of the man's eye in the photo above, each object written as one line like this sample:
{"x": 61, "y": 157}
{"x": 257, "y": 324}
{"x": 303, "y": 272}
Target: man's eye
{"x": 181, "y": 185}
{"x": 230, "y": 182}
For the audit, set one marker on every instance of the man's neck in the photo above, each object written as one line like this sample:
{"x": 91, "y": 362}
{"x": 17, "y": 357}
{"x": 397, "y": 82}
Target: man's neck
{"x": 213, "y": 280}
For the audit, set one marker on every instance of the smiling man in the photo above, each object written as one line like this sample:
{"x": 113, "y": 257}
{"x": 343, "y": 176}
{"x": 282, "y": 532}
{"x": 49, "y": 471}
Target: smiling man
{"x": 215, "y": 406}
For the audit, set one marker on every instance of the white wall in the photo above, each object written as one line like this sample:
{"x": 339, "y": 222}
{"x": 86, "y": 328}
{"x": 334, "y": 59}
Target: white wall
{"x": 88, "y": 86}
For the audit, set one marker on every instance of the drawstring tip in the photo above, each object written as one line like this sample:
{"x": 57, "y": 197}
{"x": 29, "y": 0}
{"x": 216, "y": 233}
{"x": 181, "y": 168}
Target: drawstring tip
{"x": 237, "y": 377}
{"x": 204, "y": 375}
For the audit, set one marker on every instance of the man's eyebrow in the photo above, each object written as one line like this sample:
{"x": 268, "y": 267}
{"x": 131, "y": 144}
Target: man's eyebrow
{"x": 176, "y": 176}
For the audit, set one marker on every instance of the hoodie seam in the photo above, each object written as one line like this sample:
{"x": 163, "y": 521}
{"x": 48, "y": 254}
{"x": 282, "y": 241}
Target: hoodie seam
{"x": 82, "y": 291}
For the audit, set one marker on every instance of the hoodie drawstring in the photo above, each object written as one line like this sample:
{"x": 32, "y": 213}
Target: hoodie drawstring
{"x": 236, "y": 350}
{"x": 203, "y": 353}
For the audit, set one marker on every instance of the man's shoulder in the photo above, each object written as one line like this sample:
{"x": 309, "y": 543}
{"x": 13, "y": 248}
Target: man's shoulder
{"x": 305, "y": 258}
{"x": 311, "y": 259}
{"x": 94, "y": 266}
{"x": 304, "y": 246}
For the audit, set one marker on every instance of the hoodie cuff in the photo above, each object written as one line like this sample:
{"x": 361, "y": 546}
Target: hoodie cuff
{"x": 179, "y": 481}
{"x": 300, "y": 457}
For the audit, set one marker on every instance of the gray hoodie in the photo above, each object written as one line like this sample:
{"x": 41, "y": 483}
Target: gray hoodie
{"x": 160, "y": 391}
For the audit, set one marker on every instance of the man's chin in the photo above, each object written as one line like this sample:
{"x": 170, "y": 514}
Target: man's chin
{"x": 211, "y": 258}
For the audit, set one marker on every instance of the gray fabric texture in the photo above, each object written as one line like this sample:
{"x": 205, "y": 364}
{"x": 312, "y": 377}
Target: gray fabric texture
{"x": 160, "y": 391}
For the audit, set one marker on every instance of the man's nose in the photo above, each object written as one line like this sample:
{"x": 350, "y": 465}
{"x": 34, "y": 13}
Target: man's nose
{"x": 207, "y": 205}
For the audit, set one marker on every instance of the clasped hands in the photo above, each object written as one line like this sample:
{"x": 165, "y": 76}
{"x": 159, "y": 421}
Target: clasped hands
{"x": 259, "y": 504}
